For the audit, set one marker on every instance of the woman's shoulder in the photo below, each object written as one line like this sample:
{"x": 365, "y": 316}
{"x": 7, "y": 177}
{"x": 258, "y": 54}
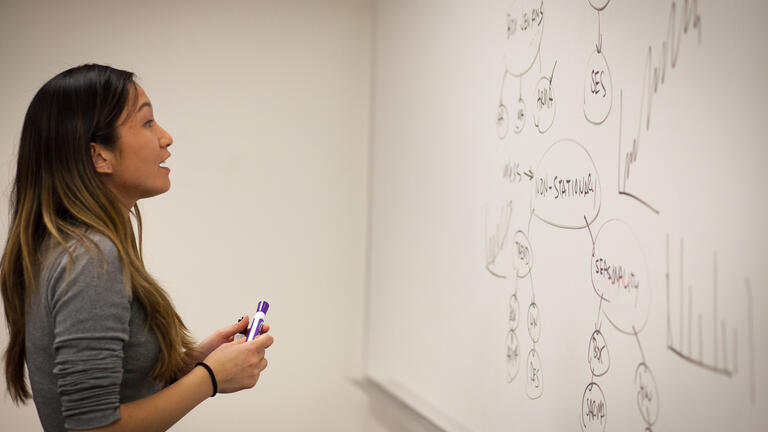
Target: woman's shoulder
{"x": 101, "y": 242}
{"x": 88, "y": 246}
{"x": 82, "y": 262}
{"x": 85, "y": 242}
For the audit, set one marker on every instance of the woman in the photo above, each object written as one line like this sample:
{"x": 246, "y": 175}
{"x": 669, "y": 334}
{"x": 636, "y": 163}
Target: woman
{"x": 103, "y": 345}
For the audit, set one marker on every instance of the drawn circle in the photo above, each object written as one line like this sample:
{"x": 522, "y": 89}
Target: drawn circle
{"x": 544, "y": 114}
{"x": 647, "y": 394}
{"x": 534, "y": 322}
{"x": 598, "y": 357}
{"x": 502, "y": 121}
{"x": 514, "y": 312}
{"x": 566, "y": 188}
{"x": 598, "y": 89}
{"x": 520, "y": 115}
{"x": 523, "y": 254}
{"x": 594, "y": 410}
{"x": 599, "y": 5}
{"x": 619, "y": 273}
{"x": 522, "y": 27}
{"x": 534, "y": 383}
{"x": 513, "y": 356}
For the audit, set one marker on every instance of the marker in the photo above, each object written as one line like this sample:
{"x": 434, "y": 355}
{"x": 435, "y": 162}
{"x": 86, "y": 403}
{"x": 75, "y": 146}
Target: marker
{"x": 258, "y": 320}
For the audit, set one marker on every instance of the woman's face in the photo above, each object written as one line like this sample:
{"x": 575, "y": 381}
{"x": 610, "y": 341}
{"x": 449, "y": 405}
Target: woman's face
{"x": 132, "y": 170}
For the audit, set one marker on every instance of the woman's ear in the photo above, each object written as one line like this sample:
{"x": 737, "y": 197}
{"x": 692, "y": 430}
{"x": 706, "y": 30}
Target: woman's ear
{"x": 102, "y": 158}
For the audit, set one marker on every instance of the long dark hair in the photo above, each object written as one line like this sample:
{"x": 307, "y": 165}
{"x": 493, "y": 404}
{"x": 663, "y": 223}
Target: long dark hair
{"x": 58, "y": 194}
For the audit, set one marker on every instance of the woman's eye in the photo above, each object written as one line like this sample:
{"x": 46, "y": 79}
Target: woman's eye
{"x": 148, "y": 122}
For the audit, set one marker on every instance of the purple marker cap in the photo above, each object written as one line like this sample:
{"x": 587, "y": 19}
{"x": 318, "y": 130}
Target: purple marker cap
{"x": 263, "y": 307}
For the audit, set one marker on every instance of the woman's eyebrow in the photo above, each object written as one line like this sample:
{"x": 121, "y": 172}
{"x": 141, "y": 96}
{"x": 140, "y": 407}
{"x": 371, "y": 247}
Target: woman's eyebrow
{"x": 145, "y": 104}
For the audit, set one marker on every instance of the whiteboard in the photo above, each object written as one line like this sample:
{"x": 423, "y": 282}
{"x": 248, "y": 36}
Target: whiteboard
{"x": 568, "y": 218}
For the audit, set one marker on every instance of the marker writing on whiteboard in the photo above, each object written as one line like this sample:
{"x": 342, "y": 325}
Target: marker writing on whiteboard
{"x": 257, "y": 321}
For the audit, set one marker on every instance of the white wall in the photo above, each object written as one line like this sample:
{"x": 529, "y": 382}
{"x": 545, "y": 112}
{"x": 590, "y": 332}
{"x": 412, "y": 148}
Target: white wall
{"x": 268, "y": 104}
{"x": 464, "y": 244}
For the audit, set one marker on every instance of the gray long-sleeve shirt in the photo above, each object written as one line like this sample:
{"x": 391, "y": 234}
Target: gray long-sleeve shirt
{"x": 88, "y": 347}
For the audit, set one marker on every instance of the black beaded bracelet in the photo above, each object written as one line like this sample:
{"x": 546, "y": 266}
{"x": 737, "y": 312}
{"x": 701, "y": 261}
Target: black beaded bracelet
{"x": 213, "y": 377}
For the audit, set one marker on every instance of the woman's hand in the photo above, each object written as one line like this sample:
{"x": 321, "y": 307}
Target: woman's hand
{"x": 219, "y": 337}
{"x": 238, "y": 365}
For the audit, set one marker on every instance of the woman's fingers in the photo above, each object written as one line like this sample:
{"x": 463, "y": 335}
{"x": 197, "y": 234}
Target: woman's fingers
{"x": 262, "y": 342}
{"x": 238, "y": 327}
{"x": 227, "y": 334}
{"x": 238, "y": 364}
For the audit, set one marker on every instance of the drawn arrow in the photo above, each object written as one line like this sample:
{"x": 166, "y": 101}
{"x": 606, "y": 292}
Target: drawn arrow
{"x": 529, "y": 174}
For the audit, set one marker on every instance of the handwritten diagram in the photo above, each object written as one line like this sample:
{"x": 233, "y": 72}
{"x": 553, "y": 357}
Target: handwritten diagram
{"x": 522, "y": 31}
{"x": 619, "y": 273}
{"x": 565, "y": 192}
{"x": 598, "y": 84}
{"x": 520, "y": 257}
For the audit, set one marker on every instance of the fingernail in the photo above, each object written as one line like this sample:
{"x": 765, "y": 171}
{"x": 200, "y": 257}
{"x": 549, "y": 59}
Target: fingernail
{"x": 241, "y": 318}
